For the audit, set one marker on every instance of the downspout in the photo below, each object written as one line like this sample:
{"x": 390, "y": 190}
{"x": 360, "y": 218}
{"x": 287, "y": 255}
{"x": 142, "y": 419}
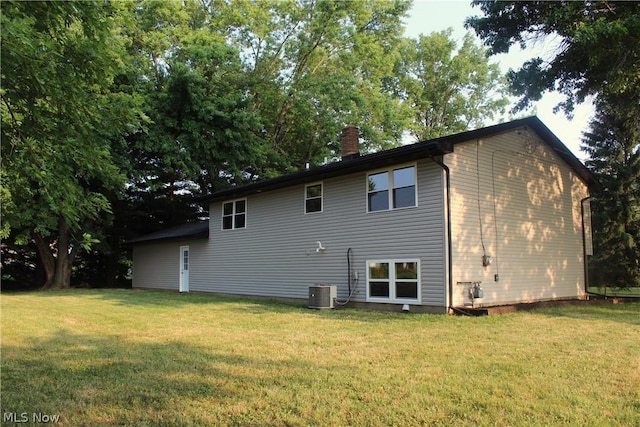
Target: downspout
{"x": 584, "y": 247}
{"x": 449, "y": 245}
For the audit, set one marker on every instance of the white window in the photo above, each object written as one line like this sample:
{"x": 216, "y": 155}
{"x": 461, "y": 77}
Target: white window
{"x": 392, "y": 189}
{"x": 393, "y": 280}
{"x": 234, "y": 214}
{"x": 313, "y": 198}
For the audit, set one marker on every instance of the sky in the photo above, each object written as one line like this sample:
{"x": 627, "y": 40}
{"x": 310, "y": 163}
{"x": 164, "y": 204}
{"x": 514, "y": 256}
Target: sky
{"x": 427, "y": 16}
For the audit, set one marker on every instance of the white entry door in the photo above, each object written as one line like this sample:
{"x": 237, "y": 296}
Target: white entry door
{"x": 184, "y": 268}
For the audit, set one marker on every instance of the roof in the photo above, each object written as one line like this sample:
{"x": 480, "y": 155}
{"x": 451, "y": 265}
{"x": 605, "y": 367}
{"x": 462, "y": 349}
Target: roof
{"x": 331, "y": 170}
{"x": 191, "y": 230}
{"x": 424, "y": 149}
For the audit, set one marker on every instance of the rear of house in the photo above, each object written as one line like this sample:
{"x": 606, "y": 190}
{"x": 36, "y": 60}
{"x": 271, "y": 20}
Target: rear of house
{"x": 411, "y": 227}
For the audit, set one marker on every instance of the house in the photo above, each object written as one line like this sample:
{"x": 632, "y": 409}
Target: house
{"x": 493, "y": 216}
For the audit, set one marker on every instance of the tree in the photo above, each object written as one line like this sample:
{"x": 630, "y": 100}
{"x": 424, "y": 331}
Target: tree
{"x": 315, "y": 66}
{"x": 204, "y": 134}
{"x": 613, "y": 144}
{"x": 598, "y": 46}
{"x": 59, "y": 119}
{"x": 449, "y": 90}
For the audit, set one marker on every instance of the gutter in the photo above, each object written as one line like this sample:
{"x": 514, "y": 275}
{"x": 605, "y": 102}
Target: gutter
{"x": 449, "y": 244}
{"x": 584, "y": 246}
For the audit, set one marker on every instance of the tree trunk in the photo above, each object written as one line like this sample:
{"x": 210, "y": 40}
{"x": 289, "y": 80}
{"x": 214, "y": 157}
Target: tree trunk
{"x": 62, "y": 276}
{"x": 46, "y": 259}
{"x": 57, "y": 269}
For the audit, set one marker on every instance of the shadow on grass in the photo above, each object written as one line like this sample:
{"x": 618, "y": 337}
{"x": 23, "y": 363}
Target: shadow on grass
{"x": 96, "y": 380}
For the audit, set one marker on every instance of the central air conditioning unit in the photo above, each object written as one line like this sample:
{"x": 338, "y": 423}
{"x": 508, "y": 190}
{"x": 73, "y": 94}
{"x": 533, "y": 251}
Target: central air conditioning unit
{"x": 322, "y": 296}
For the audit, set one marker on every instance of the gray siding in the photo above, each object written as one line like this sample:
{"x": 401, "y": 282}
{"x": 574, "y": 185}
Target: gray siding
{"x": 157, "y": 264}
{"x": 275, "y": 255}
{"x": 527, "y": 201}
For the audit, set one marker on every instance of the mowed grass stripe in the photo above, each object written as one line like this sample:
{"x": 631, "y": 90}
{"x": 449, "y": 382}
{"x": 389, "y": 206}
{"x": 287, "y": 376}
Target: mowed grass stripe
{"x": 123, "y": 357}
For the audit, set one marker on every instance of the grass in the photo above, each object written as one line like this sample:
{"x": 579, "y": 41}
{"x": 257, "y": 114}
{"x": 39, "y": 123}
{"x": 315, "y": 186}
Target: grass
{"x": 122, "y": 357}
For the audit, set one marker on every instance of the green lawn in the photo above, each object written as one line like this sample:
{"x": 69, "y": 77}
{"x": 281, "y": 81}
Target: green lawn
{"x": 122, "y": 357}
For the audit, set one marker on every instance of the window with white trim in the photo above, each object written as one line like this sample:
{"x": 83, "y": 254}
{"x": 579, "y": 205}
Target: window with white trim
{"x": 392, "y": 189}
{"x": 393, "y": 280}
{"x": 234, "y": 214}
{"x": 313, "y": 198}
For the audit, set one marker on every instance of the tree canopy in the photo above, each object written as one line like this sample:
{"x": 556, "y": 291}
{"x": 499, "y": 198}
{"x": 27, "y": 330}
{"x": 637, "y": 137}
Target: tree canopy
{"x": 448, "y": 89}
{"x": 315, "y": 66}
{"x": 598, "y": 46}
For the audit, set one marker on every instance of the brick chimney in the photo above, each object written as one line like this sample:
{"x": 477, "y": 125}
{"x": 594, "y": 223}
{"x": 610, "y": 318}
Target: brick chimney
{"x": 350, "y": 142}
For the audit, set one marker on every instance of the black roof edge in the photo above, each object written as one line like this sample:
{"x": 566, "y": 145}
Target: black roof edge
{"x": 424, "y": 149}
{"x": 547, "y": 135}
{"x": 563, "y": 151}
{"x": 188, "y": 231}
{"x": 370, "y": 161}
